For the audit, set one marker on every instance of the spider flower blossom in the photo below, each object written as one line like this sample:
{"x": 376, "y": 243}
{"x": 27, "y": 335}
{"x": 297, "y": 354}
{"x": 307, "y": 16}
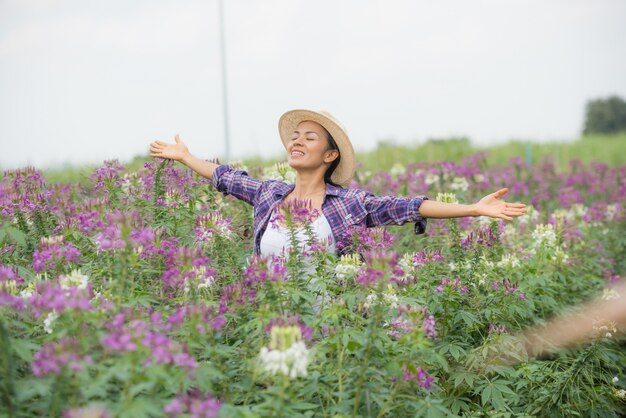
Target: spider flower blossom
{"x": 363, "y": 239}
{"x": 108, "y": 174}
{"x": 195, "y": 404}
{"x": 9, "y": 282}
{"x": 287, "y": 354}
{"x": 280, "y": 172}
{"x": 388, "y": 298}
{"x": 418, "y": 375}
{"x": 295, "y": 212}
{"x": 348, "y": 266}
{"x": 54, "y": 252}
{"x": 138, "y": 334}
{"x": 412, "y": 319}
{"x": 110, "y": 238}
{"x": 54, "y": 357}
{"x": 544, "y": 236}
{"x": 211, "y": 224}
{"x": 74, "y": 279}
{"x": 447, "y": 198}
{"x": 187, "y": 267}
{"x": 53, "y": 296}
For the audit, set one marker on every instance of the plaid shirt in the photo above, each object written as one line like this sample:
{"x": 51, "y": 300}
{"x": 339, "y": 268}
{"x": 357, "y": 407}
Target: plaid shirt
{"x": 343, "y": 208}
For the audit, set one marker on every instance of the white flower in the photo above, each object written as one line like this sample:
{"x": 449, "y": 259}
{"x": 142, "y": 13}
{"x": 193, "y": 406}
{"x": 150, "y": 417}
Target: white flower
{"x": 610, "y": 294}
{"x": 280, "y": 172}
{"x": 447, "y": 198}
{"x": 431, "y": 179}
{"x": 287, "y": 354}
{"x": 370, "y": 301}
{"x": 611, "y": 212}
{"x": 508, "y": 260}
{"x": 620, "y": 394}
{"x": 206, "y": 282}
{"x": 397, "y": 169}
{"x": 47, "y": 323}
{"x": 74, "y": 279}
{"x": 615, "y": 379}
{"x": 544, "y": 235}
{"x": 485, "y": 263}
{"x": 560, "y": 255}
{"x": 389, "y": 297}
{"x": 291, "y": 362}
{"x": 459, "y": 183}
{"x": 509, "y": 234}
{"x": 348, "y": 266}
{"x": 529, "y": 217}
{"x": 199, "y": 278}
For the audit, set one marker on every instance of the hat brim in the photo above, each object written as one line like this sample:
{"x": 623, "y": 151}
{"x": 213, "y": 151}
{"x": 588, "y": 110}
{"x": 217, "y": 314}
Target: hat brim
{"x": 289, "y": 121}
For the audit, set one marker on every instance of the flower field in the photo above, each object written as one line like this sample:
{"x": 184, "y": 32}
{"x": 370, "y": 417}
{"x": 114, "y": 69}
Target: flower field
{"x": 138, "y": 296}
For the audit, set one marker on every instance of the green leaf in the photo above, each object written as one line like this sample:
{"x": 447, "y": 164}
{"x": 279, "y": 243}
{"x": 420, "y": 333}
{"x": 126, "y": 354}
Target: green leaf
{"x": 17, "y": 235}
{"x": 24, "y": 348}
{"x": 485, "y": 396}
{"x": 304, "y": 406}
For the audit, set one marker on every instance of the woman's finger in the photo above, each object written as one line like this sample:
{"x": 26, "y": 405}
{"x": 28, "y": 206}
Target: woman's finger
{"x": 498, "y": 194}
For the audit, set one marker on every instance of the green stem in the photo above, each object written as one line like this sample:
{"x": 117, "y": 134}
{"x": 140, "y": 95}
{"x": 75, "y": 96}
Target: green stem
{"x": 8, "y": 390}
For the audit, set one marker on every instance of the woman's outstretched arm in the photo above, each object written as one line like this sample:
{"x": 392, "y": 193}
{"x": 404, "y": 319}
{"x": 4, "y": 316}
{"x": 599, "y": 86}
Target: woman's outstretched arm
{"x": 489, "y": 205}
{"x": 178, "y": 151}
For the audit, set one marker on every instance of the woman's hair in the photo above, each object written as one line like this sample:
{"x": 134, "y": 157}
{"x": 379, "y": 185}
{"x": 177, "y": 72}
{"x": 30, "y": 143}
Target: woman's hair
{"x": 331, "y": 146}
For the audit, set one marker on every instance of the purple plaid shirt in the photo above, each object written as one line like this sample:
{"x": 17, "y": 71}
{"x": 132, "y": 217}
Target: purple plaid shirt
{"x": 343, "y": 208}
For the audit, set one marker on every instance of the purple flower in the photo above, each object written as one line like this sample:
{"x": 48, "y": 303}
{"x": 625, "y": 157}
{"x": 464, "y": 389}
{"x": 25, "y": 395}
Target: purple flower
{"x": 497, "y": 329}
{"x": 423, "y": 257}
{"x": 52, "y": 296}
{"x": 363, "y": 239}
{"x": 411, "y": 319}
{"x": 293, "y": 320}
{"x": 429, "y": 326}
{"x": 107, "y": 175}
{"x": 54, "y": 252}
{"x": 295, "y": 212}
{"x": 419, "y": 375}
{"x": 54, "y": 357}
{"x": 127, "y": 334}
{"x": 195, "y": 404}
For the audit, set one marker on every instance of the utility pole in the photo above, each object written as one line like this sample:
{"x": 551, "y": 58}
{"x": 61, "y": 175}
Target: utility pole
{"x": 224, "y": 81}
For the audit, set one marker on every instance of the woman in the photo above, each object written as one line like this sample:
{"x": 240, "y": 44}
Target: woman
{"x": 319, "y": 150}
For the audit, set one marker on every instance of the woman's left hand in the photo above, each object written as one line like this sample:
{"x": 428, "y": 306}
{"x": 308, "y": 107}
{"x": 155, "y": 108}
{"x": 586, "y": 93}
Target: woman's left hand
{"x": 491, "y": 206}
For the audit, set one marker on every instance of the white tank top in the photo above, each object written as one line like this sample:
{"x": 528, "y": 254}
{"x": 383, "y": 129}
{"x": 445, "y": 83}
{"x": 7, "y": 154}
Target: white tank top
{"x": 276, "y": 239}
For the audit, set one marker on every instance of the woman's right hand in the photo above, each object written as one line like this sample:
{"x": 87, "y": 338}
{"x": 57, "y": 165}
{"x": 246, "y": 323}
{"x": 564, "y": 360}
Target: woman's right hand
{"x": 177, "y": 151}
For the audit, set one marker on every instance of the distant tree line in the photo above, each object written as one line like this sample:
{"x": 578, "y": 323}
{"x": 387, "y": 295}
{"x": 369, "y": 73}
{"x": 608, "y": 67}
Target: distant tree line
{"x": 605, "y": 116}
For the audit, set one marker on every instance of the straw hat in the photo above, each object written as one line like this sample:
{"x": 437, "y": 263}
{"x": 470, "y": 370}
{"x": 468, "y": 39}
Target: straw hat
{"x": 290, "y": 120}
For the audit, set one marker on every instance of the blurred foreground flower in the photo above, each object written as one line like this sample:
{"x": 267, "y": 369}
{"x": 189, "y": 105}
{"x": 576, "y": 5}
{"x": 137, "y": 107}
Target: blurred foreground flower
{"x": 196, "y": 405}
{"x": 287, "y": 354}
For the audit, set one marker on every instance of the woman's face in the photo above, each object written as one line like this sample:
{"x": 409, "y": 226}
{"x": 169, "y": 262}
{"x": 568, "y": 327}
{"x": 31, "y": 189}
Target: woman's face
{"x": 308, "y": 147}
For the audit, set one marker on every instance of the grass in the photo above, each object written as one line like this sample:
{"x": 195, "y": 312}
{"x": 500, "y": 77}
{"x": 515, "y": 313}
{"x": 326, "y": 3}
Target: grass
{"x": 607, "y": 149}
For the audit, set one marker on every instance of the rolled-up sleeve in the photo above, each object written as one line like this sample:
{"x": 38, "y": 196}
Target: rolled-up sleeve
{"x": 395, "y": 210}
{"x": 236, "y": 183}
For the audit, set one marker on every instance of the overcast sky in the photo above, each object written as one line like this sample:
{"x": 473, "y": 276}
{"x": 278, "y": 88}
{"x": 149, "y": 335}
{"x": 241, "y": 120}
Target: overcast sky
{"x": 83, "y": 81}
